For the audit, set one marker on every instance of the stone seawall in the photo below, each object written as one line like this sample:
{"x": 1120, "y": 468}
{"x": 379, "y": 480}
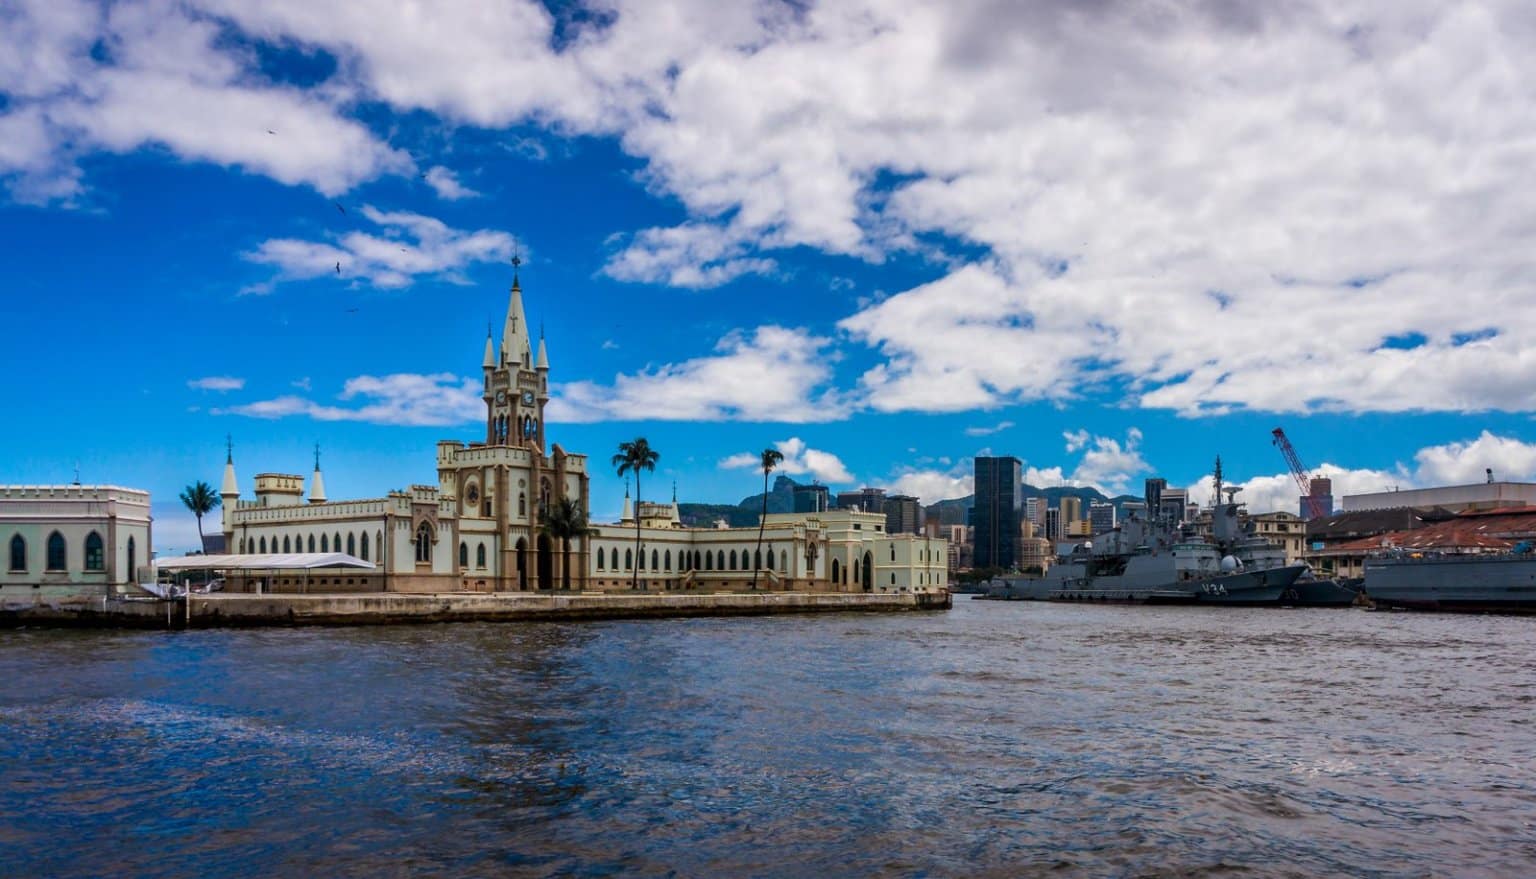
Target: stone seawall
{"x": 205, "y": 611}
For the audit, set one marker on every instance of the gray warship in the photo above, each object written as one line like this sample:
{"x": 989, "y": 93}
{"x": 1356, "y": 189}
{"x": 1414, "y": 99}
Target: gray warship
{"x": 1499, "y": 583}
{"x": 1151, "y": 560}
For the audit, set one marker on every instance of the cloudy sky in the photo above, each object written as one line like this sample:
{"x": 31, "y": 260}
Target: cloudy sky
{"x": 1114, "y": 238}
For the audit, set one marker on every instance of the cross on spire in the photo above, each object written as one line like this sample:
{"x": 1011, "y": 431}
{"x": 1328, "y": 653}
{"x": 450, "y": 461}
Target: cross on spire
{"x": 317, "y": 456}
{"x": 229, "y": 448}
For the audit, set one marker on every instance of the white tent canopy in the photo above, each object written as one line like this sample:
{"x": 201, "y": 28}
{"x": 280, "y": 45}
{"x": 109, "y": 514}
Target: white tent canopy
{"x": 280, "y": 561}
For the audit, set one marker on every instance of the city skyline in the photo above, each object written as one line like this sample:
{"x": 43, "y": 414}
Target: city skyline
{"x": 1111, "y": 246}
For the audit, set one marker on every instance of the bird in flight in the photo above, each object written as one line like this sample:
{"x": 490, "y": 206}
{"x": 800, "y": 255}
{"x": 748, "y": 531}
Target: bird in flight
{"x": 338, "y": 268}
{"x": 340, "y": 208}
{"x": 351, "y": 311}
{"x": 270, "y": 131}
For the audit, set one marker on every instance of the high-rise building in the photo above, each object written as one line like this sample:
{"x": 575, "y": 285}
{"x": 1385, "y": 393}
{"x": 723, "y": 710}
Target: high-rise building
{"x": 867, "y": 500}
{"x": 1071, "y": 511}
{"x": 1175, "y": 505}
{"x": 1102, "y": 515}
{"x": 1321, "y": 492}
{"x": 903, "y": 515}
{"x": 998, "y": 502}
{"x": 811, "y": 498}
{"x": 1034, "y": 510}
{"x": 1053, "y": 523}
{"x": 1154, "y": 496}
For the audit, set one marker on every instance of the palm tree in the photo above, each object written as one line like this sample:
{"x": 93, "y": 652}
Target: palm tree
{"x": 201, "y": 499}
{"x": 771, "y": 459}
{"x": 634, "y": 456}
{"x": 563, "y": 520}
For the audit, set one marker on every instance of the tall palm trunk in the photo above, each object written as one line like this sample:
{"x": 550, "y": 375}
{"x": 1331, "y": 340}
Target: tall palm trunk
{"x": 634, "y": 573}
{"x": 762, "y": 522}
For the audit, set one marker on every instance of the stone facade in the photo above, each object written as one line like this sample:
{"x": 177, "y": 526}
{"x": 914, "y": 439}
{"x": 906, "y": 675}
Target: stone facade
{"x": 71, "y": 541}
{"x": 478, "y": 528}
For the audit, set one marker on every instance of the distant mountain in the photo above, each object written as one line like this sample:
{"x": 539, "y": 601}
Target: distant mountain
{"x": 781, "y": 499}
{"x": 952, "y": 512}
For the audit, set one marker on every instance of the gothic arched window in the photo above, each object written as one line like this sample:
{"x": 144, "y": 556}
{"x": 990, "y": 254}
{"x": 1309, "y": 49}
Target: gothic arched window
{"x": 463, "y": 555}
{"x": 599, "y": 558}
{"x": 654, "y": 559}
{"x": 629, "y": 559}
{"x": 783, "y": 560}
{"x": 424, "y": 543}
{"x": 668, "y": 558}
{"x": 522, "y": 504}
{"x": 733, "y": 559}
{"x": 263, "y": 545}
{"x": 133, "y": 557}
{"x": 18, "y": 553}
{"x": 709, "y": 561}
{"x": 835, "y": 571}
{"x": 311, "y": 543}
{"x": 720, "y": 559}
{"x": 287, "y": 547}
{"x": 364, "y": 555}
{"x": 757, "y": 559}
{"x": 95, "y": 556}
{"x": 325, "y": 543}
{"x": 56, "y": 561}
{"x": 480, "y": 555}
{"x": 351, "y": 543}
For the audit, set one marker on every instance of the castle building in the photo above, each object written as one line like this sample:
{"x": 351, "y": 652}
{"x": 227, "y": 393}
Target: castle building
{"x": 479, "y": 527}
{"x": 476, "y": 529}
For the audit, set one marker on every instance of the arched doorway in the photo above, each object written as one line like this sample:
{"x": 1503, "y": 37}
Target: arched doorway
{"x": 546, "y": 563}
{"x": 836, "y": 572}
{"x": 522, "y": 565}
{"x": 869, "y": 571}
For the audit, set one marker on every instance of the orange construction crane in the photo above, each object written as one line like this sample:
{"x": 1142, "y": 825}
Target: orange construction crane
{"x": 1315, "y": 508}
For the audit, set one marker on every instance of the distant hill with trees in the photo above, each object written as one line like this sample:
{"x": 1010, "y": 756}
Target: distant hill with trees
{"x": 781, "y": 499}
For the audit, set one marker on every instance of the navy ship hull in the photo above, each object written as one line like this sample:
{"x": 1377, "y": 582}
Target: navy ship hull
{"x": 1242, "y": 588}
{"x": 1471, "y": 583}
{"x": 1321, "y": 593}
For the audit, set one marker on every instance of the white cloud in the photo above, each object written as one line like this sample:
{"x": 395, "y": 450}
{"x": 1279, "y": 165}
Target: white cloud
{"x": 1459, "y": 463}
{"x": 402, "y": 399}
{"x": 772, "y": 375}
{"x": 409, "y": 246}
{"x": 931, "y": 486}
{"x": 988, "y": 431}
{"x": 1203, "y": 207}
{"x": 80, "y": 78}
{"x": 694, "y": 256}
{"x": 217, "y": 383}
{"x": 799, "y": 459}
{"x": 447, "y": 185}
{"x": 1107, "y": 464}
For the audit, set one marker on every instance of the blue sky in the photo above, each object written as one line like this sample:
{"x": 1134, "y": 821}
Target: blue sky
{"x": 1111, "y": 239}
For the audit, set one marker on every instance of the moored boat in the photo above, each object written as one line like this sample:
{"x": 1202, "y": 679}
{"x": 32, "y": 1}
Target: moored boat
{"x": 1501, "y": 583}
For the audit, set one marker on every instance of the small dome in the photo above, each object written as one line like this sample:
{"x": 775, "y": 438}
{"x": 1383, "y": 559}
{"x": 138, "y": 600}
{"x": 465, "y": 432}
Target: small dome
{"x": 1230, "y": 564}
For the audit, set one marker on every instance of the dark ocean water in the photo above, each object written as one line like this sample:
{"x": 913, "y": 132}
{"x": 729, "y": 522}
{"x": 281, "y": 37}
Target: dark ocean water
{"x": 997, "y": 739}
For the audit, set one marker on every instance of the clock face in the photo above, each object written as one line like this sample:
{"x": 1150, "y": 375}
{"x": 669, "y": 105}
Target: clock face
{"x": 527, "y": 398}
{"x": 501, "y": 397}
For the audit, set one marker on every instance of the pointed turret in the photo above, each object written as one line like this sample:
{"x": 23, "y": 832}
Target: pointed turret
{"x": 231, "y": 487}
{"x": 677, "y": 517}
{"x": 514, "y": 336}
{"x": 317, "y": 482}
{"x": 628, "y": 515}
{"x": 543, "y": 362}
{"x": 490, "y": 350}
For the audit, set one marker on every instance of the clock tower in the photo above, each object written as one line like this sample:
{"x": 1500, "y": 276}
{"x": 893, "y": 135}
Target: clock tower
{"x": 516, "y": 383}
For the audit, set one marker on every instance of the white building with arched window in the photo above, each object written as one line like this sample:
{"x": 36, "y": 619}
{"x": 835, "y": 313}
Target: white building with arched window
{"x": 476, "y": 529}
{"x": 70, "y": 541}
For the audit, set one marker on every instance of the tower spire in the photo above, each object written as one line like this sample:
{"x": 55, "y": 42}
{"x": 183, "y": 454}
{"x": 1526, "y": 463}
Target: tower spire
{"x": 514, "y": 337}
{"x": 316, "y": 483}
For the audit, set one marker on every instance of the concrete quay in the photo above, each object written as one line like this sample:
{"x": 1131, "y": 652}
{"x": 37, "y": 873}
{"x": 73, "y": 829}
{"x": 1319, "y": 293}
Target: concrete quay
{"x": 210, "y": 611}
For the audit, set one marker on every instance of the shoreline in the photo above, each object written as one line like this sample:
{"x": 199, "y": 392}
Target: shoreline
{"x": 390, "y": 608}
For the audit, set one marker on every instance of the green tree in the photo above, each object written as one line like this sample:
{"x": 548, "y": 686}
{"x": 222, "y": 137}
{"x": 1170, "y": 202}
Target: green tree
{"x": 771, "y": 459}
{"x": 201, "y": 499}
{"x": 634, "y": 456}
{"x": 564, "y": 521}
